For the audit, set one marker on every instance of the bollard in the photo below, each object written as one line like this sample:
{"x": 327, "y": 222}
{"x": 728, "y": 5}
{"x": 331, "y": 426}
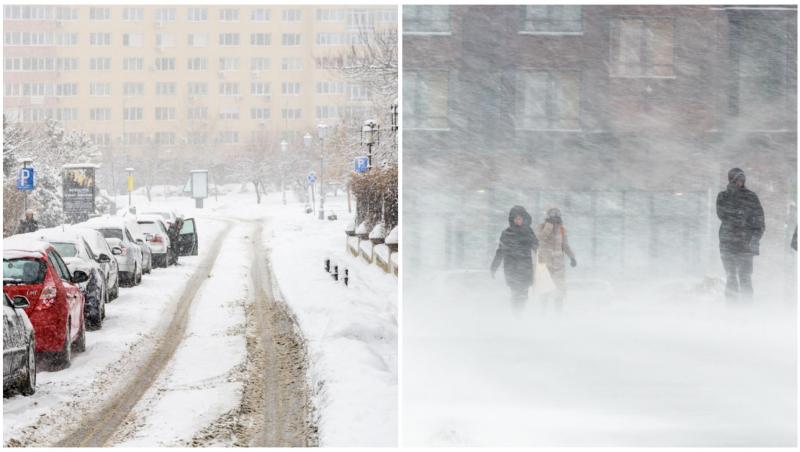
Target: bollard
{"x": 335, "y": 273}
{"x": 346, "y": 278}
{"x": 328, "y": 265}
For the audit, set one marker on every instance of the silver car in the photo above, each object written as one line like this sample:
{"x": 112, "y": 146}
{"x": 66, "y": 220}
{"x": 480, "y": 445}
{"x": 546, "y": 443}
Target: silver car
{"x": 19, "y": 347}
{"x": 126, "y": 251}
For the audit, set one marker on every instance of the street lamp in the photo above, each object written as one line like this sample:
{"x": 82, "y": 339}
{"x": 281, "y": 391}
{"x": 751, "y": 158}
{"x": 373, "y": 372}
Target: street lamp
{"x": 370, "y": 132}
{"x": 284, "y": 145}
{"x": 322, "y": 131}
{"x": 307, "y": 144}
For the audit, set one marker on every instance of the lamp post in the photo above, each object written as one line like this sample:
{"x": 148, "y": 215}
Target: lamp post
{"x": 284, "y": 145}
{"x": 395, "y": 125}
{"x": 322, "y": 130}
{"x": 307, "y": 142}
{"x": 369, "y": 137}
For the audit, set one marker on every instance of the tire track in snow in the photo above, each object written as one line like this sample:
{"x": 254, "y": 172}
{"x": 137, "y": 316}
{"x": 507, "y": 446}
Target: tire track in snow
{"x": 98, "y": 428}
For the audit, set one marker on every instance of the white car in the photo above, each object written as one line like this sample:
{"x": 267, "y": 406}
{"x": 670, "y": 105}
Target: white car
{"x": 99, "y": 246}
{"x": 155, "y": 232}
{"x": 126, "y": 251}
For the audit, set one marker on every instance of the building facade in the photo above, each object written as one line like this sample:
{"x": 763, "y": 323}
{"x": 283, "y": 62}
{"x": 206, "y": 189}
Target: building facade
{"x": 626, "y": 117}
{"x": 198, "y": 80}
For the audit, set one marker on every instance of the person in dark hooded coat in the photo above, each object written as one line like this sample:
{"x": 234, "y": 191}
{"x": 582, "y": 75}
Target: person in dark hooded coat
{"x": 517, "y": 245}
{"x": 740, "y": 232}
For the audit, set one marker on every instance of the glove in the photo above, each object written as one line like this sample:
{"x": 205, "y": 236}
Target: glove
{"x": 754, "y": 246}
{"x": 573, "y": 262}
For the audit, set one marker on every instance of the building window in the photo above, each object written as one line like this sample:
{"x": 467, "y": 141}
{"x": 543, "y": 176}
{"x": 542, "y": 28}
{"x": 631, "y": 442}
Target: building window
{"x": 66, "y": 89}
{"x": 229, "y": 63}
{"x": 96, "y": 13}
{"x": 197, "y": 64}
{"x": 100, "y": 39}
{"x": 131, "y": 89}
{"x": 197, "y": 89}
{"x": 133, "y": 138}
{"x": 100, "y": 139}
{"x": 327, "y": 112}
{"x": 229, "y": 15}
{"x": 259, "y": 89}
{"x": 292, "y": 64}
{"x": 66, "y": 114}
{"x": 328, "y": 62}
{"x": 197, "y": 14}
{"x": 197, "y": 113}
{"x": 197, "y": 137}
{"x": 100, "y": 64}
{"x": 291, "y": 39}
{"x": 229, "y": 113}
{"x": 133, "y": 14}
{"x": 359, "y": 19}
{"x": 425, "y": 99}
{"x": 291, "y": 113}
{"x": 548, "y": 100}
{"x": 165, "y": 113}
{"x": 228, "y": 89}
{"x": 329, "y": 14}
{"x": 330, "y": 39}
{"x": 165, "y": 64}
{"x": 165, "y": 15}
{"x": 330, "y": 88}
{"x": 100, "y": 114}
{"x": 291, "y": 15}
{"x": 133, "y": 64}
{"x": 259, "y": 15}
{"x": 552, "y": 19}
{"x": 165, "y": 40}
{"x": 259, "y": 39}
{"x": 100, "y": 89}
{"x": 259, "y": 64}
{"x": 164, "y": 138}
{"x": 261, "y": 114}
{"x": 132, "y": 40}
{"x": 386, "y": 15}
{"x": 228, "y": 137}
{"x": 132, "y": 113}
{"x": 165, "y": 89}
{"x": 290, "y": 88}
{"x": 642, "y": 47}
{"x": 198, "y": 40}
{"x": 426, "y": 19}
{"x": 228, "y": 39}
{"x": 357, "y": 92}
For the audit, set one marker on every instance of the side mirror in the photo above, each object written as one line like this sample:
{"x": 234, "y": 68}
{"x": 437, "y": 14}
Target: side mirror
{"x": 116, "y": 251}
{"x": 140, "y": 241}
{"x": 103, "y": 258}
{"x": 148, "y": 236}
{"x": 20, "y": 302}
{"x": 79, "y": 276}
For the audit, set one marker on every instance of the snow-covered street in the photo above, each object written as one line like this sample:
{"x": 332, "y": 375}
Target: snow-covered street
{"x": 652, "y": 365}
{"x": 211, "y": 390}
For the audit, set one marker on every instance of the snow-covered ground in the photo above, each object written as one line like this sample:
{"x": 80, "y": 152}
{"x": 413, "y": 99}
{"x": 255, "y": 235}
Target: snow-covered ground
{"x": 132, "y": 321}
{"x": 656, "y": 364}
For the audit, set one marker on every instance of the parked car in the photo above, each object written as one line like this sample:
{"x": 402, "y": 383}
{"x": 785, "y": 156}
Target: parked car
{"x": 141, "y": 240}
{"x": 187, "y": 239}
{"x": 34, "y": 269}
{"x": 126, "y": 251}
{"x": 99, "y": 246}
{"x": 76, "y": 253}
{"x": 155, "y": 232}
{"x": 19, "y": 348}
{"x": 169, "y": 216}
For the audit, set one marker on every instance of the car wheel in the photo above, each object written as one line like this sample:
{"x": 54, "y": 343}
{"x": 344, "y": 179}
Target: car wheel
{"x": 103, "y": 304}
{"x": 116, "y": 289}
{"x": 28, "y": 385}
{"x": 80, "y": 343}
{"x": 138, "y": 277}
{"x": 64, "y": 357}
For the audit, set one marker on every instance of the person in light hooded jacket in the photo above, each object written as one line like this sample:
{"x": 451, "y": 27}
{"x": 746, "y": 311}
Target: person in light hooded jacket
{"x": 517, "y": 246}
{"x": 554, "y": 247}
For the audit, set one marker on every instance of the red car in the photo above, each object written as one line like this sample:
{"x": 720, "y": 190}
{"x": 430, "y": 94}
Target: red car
{"x": 35, "y": 270}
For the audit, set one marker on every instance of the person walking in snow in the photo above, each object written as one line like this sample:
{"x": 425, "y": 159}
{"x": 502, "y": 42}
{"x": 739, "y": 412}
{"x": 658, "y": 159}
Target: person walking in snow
{"x": 28, "y": 224}
{"x": 554, "y": 246}
{"x": 517, "y": 246}
{"x": 741, "y": 229}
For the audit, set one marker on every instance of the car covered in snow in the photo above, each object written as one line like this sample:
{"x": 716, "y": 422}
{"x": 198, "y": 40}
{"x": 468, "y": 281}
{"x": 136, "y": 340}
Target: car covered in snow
{"x": 157, "y": 236}
{"x": 19, "y": 348}
{"x": 99, "y": 247}
{"x": 77, "y": 254}
{"x": 126, "y": 251}
{"x": 35, "y": 270}
{"x": 168, "y": 215}
{"x": 139, "y": 237}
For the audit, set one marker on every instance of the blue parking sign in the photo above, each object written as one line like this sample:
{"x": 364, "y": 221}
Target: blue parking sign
{"x": 362, "y": 164}
{"x": 312, "y": 177}
{"x": 26, "y": 179}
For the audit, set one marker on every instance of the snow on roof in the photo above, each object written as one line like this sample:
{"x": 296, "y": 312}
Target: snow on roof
{"x": 107, "y": 221}
{"x": 23, "y": 245}
{"x": 149, "y": 218}
{"x": 58, "y": 235}
{"x": 81, "y": 165}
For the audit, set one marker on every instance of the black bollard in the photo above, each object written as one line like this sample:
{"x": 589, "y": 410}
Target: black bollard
{"x": 346, "y": 278}
{"x": 335, "y": 273}
{"x": 328, "y": 265}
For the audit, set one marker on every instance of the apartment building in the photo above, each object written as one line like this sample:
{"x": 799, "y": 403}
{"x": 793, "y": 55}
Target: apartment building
{"x": 627, "y": 117}
{"x": 205, "y": 79}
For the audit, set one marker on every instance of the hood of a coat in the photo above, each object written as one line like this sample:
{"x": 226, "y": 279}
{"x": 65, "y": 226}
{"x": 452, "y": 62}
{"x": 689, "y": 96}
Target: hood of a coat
{"x": 519, "y": 211}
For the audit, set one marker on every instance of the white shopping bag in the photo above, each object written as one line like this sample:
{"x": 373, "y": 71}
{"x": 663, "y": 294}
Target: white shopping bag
{"x": 542, "y": 283}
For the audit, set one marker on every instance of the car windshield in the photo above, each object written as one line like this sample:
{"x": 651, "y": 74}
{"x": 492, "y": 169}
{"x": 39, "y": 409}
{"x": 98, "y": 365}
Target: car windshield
{"x": 26, "y": 270}
{"x": 111, "y": 233}
{"x": 65, "y": 249}
{"x": 150, "y": 227}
